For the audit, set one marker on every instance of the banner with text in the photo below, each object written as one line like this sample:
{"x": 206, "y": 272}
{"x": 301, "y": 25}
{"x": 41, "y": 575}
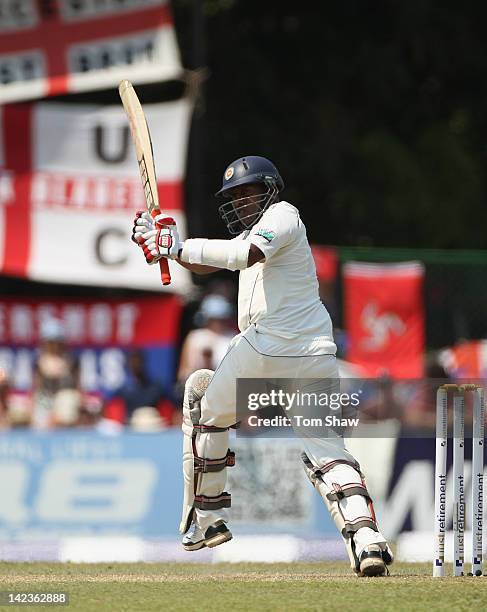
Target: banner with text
{"x": 65, "y": 46}
{"x": 89, "y": 484}
{"x": 99, "y": 333}
{"x": 69, "y": 188}
{"x": 72, "y": 483}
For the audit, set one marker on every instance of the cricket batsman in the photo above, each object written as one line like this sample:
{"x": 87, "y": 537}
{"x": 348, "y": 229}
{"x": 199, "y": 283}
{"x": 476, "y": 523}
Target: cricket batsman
{"x": 285, "y": 332}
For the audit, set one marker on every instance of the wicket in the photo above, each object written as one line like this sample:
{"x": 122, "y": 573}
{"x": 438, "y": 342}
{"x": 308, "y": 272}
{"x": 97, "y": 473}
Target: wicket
{"x": 459, "y": 393}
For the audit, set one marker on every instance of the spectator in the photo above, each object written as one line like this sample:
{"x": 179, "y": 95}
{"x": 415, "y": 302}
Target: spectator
{"x": 91, "y": 410}
{"x": 420, "y": 402}
{"x": 206, "y": 347}
{"x": 380, "y": 399}
{"x": 139, "y": 391}
{"x": 91, "y": 417}
{"x": 146, "y": 420}
{"x": 15, "y": 407}
{"x": 66, "y": 408}
{"x": 4, "y": 393}
{"x": 55, "y": 370}
{"x": 19, "y": 412}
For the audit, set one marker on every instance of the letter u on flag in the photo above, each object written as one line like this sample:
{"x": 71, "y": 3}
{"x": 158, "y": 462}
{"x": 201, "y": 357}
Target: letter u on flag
{"x": 384, "y": 317}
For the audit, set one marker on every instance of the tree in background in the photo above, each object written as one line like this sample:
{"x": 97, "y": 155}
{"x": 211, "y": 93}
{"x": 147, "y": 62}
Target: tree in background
{"x": 374, "y": 113}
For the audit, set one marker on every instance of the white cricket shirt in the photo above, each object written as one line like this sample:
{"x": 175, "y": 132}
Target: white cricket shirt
{"x": 279, "y": 309}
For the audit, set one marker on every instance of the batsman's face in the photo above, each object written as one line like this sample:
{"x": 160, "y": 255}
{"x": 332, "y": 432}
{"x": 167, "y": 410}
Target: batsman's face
{"x": 246, "y": 199}
{"x": 246, "y": 191}
{"x": 245, "y": 205}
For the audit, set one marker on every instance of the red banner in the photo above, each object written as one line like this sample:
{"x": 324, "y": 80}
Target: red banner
{"x": 145, "y": 321}
{"x": 384, "y": 318}
{"x": 98, "y": 332}
{"x": 326, "y": 262}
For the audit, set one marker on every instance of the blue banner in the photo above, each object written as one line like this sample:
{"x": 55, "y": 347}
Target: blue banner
{"x": 80, "y": 483}
{"x": 75, "y": 483}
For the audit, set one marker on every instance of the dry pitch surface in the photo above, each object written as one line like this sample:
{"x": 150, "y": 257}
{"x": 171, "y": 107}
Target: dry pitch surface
{"x": 230, "y": 588}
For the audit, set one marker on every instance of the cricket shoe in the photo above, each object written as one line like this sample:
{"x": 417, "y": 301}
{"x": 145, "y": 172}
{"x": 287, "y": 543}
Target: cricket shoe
{"x": 374, "y": 561}
{"x": 215, "y": 535}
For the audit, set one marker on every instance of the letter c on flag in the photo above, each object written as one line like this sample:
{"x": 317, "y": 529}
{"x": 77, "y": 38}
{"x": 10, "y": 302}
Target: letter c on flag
{"x": 107, "y": 249}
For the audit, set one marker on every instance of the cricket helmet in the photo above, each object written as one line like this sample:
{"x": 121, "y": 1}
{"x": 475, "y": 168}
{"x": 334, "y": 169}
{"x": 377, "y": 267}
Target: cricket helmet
{"x": 242, "y": 213}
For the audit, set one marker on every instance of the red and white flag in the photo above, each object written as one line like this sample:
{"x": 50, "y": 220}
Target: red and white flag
{"x": 384, "y": 317}
{"x": 467, "y": 360}
{"x": 53, "y": 47}
{"x": 69, "y": 189}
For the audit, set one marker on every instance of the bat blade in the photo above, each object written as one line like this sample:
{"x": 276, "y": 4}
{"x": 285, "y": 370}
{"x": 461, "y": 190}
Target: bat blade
{"x": 145, "y": 157}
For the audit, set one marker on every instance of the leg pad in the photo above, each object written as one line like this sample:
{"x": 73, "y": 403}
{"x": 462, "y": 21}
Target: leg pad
{"x": 342, "y": 487}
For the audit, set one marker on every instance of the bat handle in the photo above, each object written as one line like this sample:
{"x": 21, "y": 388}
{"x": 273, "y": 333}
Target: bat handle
{"x": 165, "y": 274}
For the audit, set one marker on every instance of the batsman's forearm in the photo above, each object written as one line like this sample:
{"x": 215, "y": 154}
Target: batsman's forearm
{"x": 228, "y": 254}
{"x": 198, "y": 268}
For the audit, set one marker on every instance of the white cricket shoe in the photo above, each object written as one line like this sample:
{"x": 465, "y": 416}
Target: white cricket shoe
{"x": 213, "y": 536}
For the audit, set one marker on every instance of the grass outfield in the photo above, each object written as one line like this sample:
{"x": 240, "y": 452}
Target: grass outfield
{"x": 241, "y": 586}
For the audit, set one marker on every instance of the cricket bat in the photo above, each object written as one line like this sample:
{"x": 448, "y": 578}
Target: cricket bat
{"x": 145, "y": 157}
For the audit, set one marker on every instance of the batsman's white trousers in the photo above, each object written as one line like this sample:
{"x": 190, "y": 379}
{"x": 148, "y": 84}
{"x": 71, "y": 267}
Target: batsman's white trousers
{"x": 218, "y": 406}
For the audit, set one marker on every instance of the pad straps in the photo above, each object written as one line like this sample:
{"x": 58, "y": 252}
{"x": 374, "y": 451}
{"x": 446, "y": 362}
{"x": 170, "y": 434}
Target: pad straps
{"x": 202, "y": 464}
{"x": 347, "y": 490}
{"x": 205, "y": 502}
{"x": 209, "y": 429}
{"x": 320, "y": 471}
{"x": 352, "y": 527}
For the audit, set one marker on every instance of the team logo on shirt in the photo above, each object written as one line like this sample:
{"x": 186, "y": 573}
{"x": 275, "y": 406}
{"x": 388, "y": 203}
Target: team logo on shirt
{"x": 229, "y": 173}
{"x": 267, "y": 234}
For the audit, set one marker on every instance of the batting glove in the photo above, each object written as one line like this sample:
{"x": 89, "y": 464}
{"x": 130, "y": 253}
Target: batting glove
{"x": 161, "y": 242}
{"x": 143, "y": 223}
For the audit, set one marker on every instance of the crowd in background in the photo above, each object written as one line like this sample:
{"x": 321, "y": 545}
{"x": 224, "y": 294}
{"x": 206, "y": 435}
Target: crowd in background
{"x": 144, "y": 404}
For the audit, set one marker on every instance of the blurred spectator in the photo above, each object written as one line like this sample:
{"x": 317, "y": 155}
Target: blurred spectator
{"x": 380, "y": 399}
{"x": 19, "y": 411}
{"x": 139, "y": 391}
{"x": 91, "y": 417}
{"x": 55, "y": 370}
{"x": 146, "y": 419}
{"x": 224, "y": 287}
{"x": 91, "y": 410}
{"x": 15, "y": 408}
{"x": 66, "y": 408}
{"x": 206, "y": 347}
{"x": 4, "y": 393}
{"x": 420, "y": 404}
